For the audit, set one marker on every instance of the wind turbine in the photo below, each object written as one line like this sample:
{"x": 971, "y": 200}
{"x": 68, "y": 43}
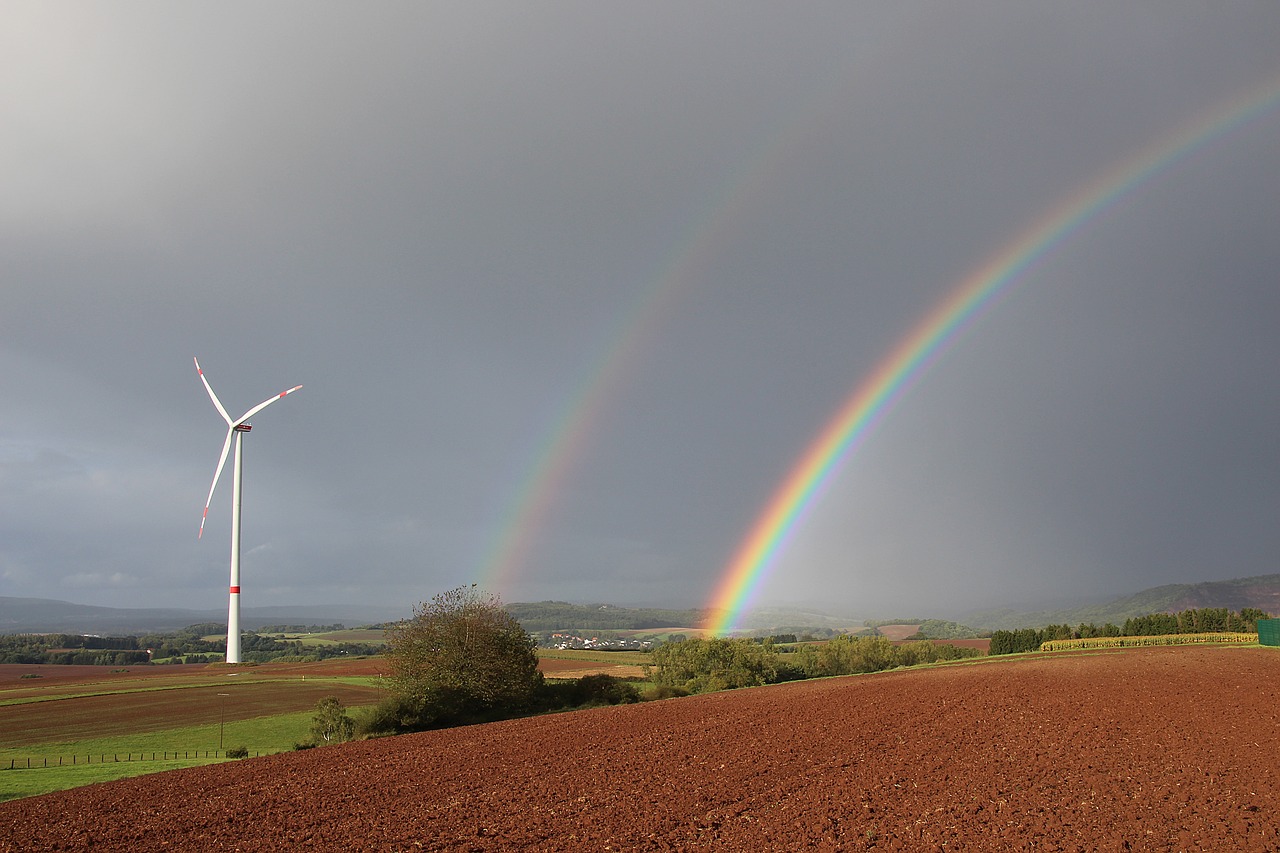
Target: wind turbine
{"x": 235, "y": 428}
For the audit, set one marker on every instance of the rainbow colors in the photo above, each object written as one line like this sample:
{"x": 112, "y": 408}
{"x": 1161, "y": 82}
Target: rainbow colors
{"x": 894, "y": 374}
{"x": 563, "y": 441}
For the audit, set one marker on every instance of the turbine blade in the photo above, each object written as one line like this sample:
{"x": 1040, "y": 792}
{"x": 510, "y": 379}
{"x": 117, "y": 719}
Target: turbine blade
{"x": 212, "y": 396}
{"x": 261, "y": 406}
{"x": 222, "y": 461}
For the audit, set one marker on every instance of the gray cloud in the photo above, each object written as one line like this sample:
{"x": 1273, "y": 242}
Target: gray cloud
{"x": 442, "y": 220}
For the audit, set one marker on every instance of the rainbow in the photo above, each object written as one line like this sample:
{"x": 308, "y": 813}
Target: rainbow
{"x": 563, "y": 441}
{"x": 892, "y": 377}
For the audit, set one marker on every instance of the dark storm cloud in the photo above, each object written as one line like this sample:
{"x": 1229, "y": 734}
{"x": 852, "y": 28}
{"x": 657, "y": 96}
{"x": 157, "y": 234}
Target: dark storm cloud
{"x": 438, "y": 218}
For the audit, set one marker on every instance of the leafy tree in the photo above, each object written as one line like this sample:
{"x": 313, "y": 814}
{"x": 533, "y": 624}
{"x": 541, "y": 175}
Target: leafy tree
{"x": 846, "y": 655}
{"x": 705, "y": 665}
{"x": 331, "y": 723}
{"x": 1250, "y": 617}
{"x": 462, "y": 654}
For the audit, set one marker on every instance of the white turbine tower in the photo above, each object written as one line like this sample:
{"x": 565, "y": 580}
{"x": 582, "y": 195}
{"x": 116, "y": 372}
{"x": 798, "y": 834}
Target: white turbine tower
{"x": 235, "y": 428}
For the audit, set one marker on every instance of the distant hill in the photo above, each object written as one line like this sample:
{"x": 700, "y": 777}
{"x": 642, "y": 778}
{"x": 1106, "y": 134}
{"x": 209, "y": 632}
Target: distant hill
{"x": 1262, "y": 592}
{"x": 37, "y": 615}
{"x": 563, "y": 616}
{"x": 44, "y": 615}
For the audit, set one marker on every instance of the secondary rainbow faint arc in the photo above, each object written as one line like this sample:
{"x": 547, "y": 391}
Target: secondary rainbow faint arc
{"x": 559, "y": 446}
{"x": 563, "y": 441}
{"x": 893, "y": 375}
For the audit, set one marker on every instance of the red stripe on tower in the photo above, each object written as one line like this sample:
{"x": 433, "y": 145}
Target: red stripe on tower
{"x": 235, "y": 590}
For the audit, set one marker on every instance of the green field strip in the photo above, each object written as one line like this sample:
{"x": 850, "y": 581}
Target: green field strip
{"x": 260, "y": 735}
{"x": 30, "y": 783}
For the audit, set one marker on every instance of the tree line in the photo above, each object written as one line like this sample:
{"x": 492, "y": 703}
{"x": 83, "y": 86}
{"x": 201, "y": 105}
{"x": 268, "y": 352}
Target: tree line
{"x": 1204, "y": 620}
{"x": 929, "y": 629}
{"x": 186, "y": 646}
{"x": 706, "y": 665}
{"x": 464, "y": 658}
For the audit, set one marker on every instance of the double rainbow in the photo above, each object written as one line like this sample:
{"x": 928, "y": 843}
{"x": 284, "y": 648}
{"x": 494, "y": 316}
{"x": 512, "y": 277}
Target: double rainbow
{"x": 876, "y": 394}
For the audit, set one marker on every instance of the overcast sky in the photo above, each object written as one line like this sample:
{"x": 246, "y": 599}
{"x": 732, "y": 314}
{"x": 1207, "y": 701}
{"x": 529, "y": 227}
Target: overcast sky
{"x": 571, "y": 287}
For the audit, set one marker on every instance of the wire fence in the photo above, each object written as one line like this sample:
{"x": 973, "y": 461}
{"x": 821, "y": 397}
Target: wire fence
{"x": 109, "y": 758}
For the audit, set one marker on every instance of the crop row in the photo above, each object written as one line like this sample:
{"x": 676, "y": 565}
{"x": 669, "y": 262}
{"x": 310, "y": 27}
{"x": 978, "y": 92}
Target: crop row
{"x": 1132, "y": 642}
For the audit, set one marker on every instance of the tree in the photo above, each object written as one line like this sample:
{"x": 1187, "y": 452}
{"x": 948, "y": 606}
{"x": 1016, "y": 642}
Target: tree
{"x": 846, "y": 655}
{"x": 331, "y": 723}
{"x": 705, "y": 665}
{"x": 462, "y": 654}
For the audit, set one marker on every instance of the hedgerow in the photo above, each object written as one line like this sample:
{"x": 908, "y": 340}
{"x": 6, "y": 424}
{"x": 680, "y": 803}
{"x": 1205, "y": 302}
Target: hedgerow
{"x": 1135, "y": 642}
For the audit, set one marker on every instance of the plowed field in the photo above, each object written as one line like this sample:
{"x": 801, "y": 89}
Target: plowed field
{"x": 1160, "y": 749}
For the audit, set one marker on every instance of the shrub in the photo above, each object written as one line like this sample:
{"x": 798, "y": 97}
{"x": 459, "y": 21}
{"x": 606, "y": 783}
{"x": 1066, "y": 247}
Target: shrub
{"x": 602, "y": 689}
{"x": 1146, "y": 640}
{"x": 702, "y": 666}
{"x": 331, "y": 723}
{"x": 238, "y": 752}
{"x": 846, "y": 655}
{"x": 463, "y": 656}
{"x": 394, "y": 715}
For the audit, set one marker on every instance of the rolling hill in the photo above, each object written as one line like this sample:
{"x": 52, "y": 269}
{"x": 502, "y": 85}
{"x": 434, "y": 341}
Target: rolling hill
{"x": 1262, "y": 592}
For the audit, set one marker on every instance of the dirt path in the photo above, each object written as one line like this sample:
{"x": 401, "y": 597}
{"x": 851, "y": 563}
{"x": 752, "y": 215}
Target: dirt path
{"x": 1161, "y": 749}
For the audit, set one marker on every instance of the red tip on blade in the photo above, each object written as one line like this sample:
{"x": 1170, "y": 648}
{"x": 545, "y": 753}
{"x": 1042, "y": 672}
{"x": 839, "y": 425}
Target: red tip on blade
{"x": 235, "y": 590}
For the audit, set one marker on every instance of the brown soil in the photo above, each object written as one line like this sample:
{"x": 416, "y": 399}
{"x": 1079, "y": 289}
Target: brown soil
{"x": 12, "y": 674}
{"x": 898, "y": 632}
{"x": 43, "y": 674}
{"x": 49, "y": 674}
{"x": 114, "y": 714}
{"x": 1151, "y": 749}
{"x": 566, "y": 668}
